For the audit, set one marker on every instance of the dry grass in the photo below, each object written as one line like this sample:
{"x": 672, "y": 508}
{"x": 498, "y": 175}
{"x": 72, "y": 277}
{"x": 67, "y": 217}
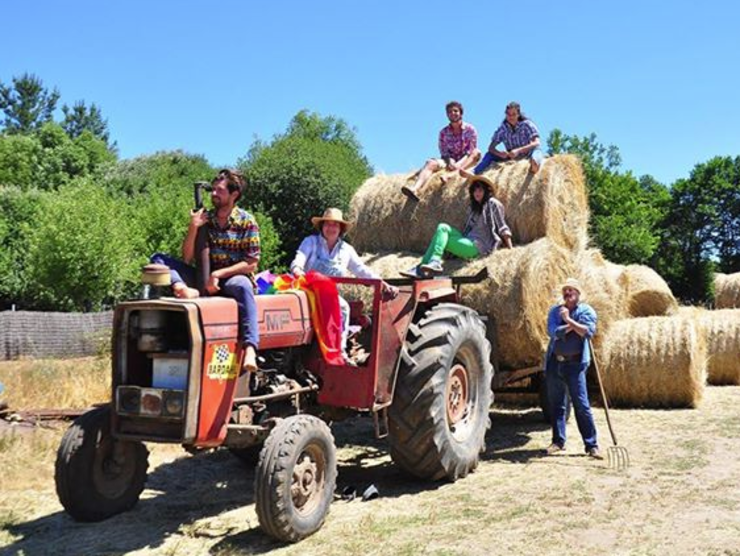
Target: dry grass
{"x": 647, "y": 292}
{"x": 655, "y": 362}
{"x": 516, "y": 502}
{"x": 551, "y": 204}
{"x": 727, "y": 291}
{"x": 59, "y": 384}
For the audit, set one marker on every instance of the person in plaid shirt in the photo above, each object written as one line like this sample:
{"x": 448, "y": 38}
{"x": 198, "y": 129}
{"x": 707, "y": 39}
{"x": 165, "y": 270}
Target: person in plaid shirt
{"x": 234, "y": 249}
{"x": 458, "y": 150}
{"x": 520, "y": 137}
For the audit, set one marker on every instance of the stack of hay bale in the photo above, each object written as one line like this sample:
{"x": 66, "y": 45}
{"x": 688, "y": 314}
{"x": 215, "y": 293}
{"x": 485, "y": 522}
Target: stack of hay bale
{"x": 651, "y": 354}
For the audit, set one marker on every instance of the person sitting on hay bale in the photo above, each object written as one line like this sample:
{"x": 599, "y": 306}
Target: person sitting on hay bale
{"x": 328, "y": 253}
{"x": 570, "y": 325}
{"x": 521, "y": 138}
{"x": 485, "y": 230}
{"x": 458, "y": 150}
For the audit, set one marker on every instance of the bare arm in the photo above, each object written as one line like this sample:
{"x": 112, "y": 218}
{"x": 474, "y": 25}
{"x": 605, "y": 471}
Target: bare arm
{"x": 197, "y": 219}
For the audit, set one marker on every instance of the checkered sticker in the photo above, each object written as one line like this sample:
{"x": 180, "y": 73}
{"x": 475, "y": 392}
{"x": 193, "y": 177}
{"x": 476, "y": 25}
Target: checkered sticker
{"x": 223, "y": 364}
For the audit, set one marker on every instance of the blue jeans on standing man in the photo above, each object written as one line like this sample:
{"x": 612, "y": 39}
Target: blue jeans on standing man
{"x": 564, "y": 378}
{"x": 238, "y": 287}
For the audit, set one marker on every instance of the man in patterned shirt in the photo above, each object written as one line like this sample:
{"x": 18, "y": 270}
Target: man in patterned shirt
{"x": 520, "y": 137}
{"x": 234, "y": 251}
{"x": 458, "y": 150}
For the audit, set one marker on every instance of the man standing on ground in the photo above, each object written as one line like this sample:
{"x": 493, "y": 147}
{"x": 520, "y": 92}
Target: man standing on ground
{"x": 520, "y": 137}
{"x": 234, "y": 249}
{"x": 570, "y": 325}
{"x": 458, "y": 149}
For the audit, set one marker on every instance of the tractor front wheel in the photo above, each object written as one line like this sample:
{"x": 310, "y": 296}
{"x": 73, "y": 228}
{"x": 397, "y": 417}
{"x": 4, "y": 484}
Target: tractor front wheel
{"x": 439, "y": 415}
{"x": 96, "y": 475}
{"x": 295, "y": 479}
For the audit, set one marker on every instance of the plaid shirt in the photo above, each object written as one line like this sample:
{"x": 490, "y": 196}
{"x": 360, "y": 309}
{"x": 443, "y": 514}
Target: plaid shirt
{"x": 523, "y": 133}
{"x": 456, "y": 146}
{"x": 237, "y": 242}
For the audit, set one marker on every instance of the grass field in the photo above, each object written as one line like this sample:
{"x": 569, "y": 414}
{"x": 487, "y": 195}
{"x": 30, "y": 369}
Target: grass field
{"x": 681, "y": 495}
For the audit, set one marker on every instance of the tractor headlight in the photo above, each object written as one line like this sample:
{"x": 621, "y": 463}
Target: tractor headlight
{"x": 129, "y": 400}
{"x": 173, "y": 403}
{"x": 151, "y": 401}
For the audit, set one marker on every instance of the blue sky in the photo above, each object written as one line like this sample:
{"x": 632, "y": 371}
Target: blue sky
{"x": 657, "y": 79}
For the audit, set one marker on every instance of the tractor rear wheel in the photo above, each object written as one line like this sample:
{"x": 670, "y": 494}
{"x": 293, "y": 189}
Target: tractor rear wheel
{"x": 96, "y": 475}
{"x": 295, "y": 478}
{"x": 439, "y": 415}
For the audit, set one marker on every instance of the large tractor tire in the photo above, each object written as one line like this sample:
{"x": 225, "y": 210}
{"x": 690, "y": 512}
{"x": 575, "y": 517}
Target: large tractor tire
{"x": 295, "y": 478}
{"x": 96, "y": 475}
{"x": 439, "y": 415}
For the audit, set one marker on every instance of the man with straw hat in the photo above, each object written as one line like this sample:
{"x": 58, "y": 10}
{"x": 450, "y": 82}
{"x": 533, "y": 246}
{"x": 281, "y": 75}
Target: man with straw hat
{"x": 570, "y": 325}
{"x": 328, "y": 253}
{"x": 458, "y": 150}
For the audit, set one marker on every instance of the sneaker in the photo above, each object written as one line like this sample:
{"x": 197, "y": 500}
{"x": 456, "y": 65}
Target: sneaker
{"x": 410, "y": 193}
{"x": 411, "y": 273}
{"x": 595, "y": 453}
{"x": 553, "y": 449}
{"x": 433, "y": 267}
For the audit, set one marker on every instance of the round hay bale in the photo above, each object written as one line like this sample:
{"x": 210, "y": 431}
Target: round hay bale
{"x": 553, "y": 204}
{"x": 604, "y": 288}
{"x": 647, "y": 293}
{"x": 721, "y": 329}
{"x": 727, "y": 291}
{"x": 523, "y": 284}
{"x": 654, "y": 362}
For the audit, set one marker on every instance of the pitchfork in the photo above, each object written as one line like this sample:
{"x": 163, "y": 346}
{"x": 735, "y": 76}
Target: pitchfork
{"x": 617, "y": 456}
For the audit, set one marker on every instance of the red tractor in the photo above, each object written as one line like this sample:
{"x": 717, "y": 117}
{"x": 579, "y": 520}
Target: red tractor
{"x": 176, "y": 378}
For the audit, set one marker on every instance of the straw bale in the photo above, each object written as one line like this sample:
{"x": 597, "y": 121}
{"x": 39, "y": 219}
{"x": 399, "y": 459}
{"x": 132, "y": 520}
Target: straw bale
{"x": 553, "y": 204}
{"x": 722, "y": 331}
{"x": 727, "y": 291}
{"x": 647, "y": 292}
{"x": 523, "y": 284}
{"x": 654, "y": 362}
{"x": 604, "y": 288}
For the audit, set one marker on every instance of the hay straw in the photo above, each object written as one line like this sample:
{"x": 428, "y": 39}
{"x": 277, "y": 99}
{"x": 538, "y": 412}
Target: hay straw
{"x": 553, "y": 204}
{"x": 604, "y": 288}
{"x": 722, "y": 331}
{"x": 655, "y": 362}
{"x": 727, "y": 291}
{"x": 648, "y": 294}
{"x": 523, "y": 284}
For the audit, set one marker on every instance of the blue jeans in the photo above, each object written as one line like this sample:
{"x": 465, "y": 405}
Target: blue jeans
{"x": 570, "y": 376}
{"x": 239, "y": 288}
{"x": 489, "y": 158}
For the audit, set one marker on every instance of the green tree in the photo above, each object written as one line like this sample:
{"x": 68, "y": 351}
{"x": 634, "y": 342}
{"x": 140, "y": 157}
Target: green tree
{"x": 625, "y": 211}
{"x": 80, "y": 118}
{"x": 27, "y": 104}
{"x": 316, "y": 164}
{"x": 702, "y": 228}
{"x": 83, "y": 251}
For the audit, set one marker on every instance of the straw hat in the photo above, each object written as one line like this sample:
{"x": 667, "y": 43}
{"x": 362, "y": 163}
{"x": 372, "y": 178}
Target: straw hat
{"x": 483, "y": 180}
{"x": 331, "y": 215}
{"x": 572, "y": 283}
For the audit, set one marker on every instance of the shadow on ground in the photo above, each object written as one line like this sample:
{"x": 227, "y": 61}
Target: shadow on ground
{"x": 183, "y": 492}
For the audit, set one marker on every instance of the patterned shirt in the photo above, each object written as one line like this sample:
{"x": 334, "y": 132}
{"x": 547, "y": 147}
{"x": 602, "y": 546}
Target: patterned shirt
{"x": 314, "y": 254}
{"x": 454, "y": 146}
{"x": 523, "y": 133}
{"x": 237, "y": 242}
{"x": 487, "y": 227}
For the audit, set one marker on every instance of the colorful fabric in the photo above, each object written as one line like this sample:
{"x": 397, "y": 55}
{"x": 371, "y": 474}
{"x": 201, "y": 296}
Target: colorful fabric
{"x": 523, "y": 133}
{"x": 314, "y": 254}
{"x": 237, "y": 242}
{"x": 326, "y": 318}
{"x": 447, "y": 238}
{"x": 455, "y": 146}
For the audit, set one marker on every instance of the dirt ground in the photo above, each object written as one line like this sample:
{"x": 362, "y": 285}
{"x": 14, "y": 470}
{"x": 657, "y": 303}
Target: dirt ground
{"x": 681, "y": 495}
